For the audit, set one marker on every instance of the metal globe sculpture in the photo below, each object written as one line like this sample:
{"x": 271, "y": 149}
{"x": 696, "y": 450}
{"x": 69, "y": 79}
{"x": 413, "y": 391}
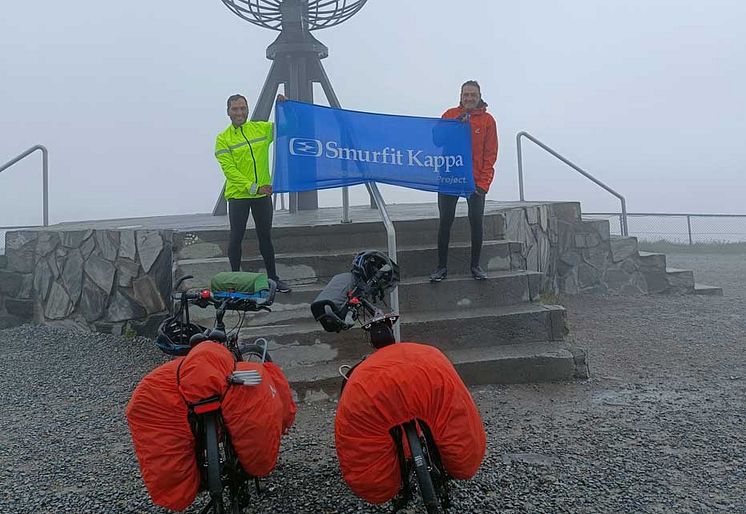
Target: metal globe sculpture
{"x": 321, "y": 13}
{"x": 296, "y": 59}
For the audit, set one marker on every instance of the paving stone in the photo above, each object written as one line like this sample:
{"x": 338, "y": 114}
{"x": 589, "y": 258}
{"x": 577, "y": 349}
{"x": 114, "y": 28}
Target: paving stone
{"x": 43, "y": 278}
{"x": 10, "y": 282}
{"x": 92, "y": 301}
{"x": 74, "y": 238}
{"x": 107, "y": 242}
{"x": 27, "y": 287}
{"x": 127, "y": 270}
{"x": 101, "y": 272}
{"x": 123, "y": 308}
{"x": 87, "y": 247}
{"x": 623, "y": 248}
{"x": 58, "y": 305}
{"x": 127, "y": 247}
{"x": 588, "y": 276}
{"x": 24, "y": 309}
{"x": 146, "y": 293}
{"x": 149, "y": 246}
{"x": 72, "y": 275}
{"x": 47, "y": 243}
{"x": 19, "y": 249}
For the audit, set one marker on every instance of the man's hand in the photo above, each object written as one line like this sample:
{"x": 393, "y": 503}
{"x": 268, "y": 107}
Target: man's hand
{"x": 463, "y": 117}
{"x": 281, "y": 97}
{"x": 265, "y": 190}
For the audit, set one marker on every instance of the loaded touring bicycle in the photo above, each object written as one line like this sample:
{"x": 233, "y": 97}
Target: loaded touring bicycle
{"x": 211, "y": 419}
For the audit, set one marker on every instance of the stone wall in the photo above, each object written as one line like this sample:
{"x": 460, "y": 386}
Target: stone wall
{"x": 579, "y": 256}
{"x": 106, "y": 280}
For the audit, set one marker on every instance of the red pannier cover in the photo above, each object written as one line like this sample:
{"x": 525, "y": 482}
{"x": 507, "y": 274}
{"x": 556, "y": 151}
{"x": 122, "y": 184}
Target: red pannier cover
{"x": 205, "y": 371}
{"x": 254, "y": 416}
{"x": 163, "y": 440}
{"x": 396, "y": 384}
{"x": 286, "y": 395}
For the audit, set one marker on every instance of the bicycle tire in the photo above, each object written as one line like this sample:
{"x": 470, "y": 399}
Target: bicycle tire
{"x": 255, "y": 349}
{"x": 214, "y": 482}
{"x": 421, "y": 469}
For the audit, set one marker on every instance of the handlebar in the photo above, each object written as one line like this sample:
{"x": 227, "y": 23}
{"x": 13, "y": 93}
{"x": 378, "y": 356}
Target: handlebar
{"x": 226, "y": 300}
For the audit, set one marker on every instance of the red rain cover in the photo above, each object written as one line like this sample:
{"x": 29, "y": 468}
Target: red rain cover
{"x": 283, "y": 389}
{"x": 255, "y": 416}
{"x": 205, "y": 371}
{"x": 396, "y": 384}
{"x": 163, "y": 440}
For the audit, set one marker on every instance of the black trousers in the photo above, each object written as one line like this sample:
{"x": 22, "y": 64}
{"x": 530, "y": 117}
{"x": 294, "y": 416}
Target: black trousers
{"x": 238, "y": 214}
{"x": 447, "y": 210}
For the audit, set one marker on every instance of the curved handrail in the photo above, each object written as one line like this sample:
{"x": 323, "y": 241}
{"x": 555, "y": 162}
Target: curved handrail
{"x": 573, "y": 166}
{"x": 45, "y": 175}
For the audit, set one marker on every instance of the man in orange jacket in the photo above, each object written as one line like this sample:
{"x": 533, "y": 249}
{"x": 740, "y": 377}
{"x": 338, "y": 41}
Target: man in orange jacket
{"x": 471, "y": 109}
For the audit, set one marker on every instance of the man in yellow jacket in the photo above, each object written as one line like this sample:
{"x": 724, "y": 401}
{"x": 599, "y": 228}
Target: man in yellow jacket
{"x": 243, "y": 153}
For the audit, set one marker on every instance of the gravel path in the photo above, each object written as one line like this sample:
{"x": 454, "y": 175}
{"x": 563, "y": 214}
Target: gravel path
{"x": 658, "y": 428}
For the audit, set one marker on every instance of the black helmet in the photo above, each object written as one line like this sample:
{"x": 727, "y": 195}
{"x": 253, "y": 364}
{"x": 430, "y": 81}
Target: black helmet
{"x": 376, "y": 269}
{"x": 174, "y": 335}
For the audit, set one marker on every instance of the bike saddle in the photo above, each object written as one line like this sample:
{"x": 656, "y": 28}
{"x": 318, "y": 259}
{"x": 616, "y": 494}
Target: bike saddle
{"x": 196, "y": 339}
{"x": 217, "y": 335}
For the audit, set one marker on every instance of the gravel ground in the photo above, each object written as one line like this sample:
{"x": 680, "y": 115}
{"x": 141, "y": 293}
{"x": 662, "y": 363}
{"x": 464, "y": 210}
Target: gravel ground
{"x": 658, "y": 428}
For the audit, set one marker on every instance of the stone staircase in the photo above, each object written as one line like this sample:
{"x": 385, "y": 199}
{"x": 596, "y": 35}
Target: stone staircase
{"x": 495, "y": 331}
{"x": 658, "y": 277}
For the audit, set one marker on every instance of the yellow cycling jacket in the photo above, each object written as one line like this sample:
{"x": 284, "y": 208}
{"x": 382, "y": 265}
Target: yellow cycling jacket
{"x": 243, "y": 154}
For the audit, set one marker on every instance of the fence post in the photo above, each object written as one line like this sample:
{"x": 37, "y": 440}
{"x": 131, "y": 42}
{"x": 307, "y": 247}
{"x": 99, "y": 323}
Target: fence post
{"x": 689, "y": 227}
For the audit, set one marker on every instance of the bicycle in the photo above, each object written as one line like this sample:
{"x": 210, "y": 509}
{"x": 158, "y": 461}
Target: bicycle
{"x": 350, "y": 298}
{"x": 216, "y": 457}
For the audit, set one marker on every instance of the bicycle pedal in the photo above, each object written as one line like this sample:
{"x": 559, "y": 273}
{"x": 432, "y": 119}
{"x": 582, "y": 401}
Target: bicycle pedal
{"x": 247, "y": 378}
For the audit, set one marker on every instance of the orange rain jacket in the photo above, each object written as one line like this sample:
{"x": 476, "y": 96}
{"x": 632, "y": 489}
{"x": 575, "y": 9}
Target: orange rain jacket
{"x": 483, "y": 142}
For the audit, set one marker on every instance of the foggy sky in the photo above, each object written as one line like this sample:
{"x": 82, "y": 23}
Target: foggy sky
{"x": 648, "y": 95}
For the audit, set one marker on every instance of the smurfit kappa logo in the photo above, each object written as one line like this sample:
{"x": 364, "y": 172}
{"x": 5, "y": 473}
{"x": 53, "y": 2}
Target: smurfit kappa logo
{"x": 306, "y": 147}
{"x": 391, "y": 156}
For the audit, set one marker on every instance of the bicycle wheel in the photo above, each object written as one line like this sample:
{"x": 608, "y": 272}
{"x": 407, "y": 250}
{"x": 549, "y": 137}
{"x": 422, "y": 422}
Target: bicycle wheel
{"x": 254, "y": 353}
{"x": 214, "y": 482}
{"x": 421, "y": 468}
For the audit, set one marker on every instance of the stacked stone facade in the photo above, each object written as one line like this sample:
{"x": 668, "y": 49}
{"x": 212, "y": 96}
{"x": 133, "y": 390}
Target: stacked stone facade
{"x": 106, "y": 280}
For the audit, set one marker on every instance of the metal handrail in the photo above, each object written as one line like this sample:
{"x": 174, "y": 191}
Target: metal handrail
{"x": 45, "y": 175}
{"x": 391, "y": 233}
{"x": 574, "y": 166}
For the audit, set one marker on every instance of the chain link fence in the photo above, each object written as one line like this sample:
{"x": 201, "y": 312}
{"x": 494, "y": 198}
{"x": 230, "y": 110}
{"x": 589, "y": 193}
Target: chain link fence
{"x": 679, "y": 228}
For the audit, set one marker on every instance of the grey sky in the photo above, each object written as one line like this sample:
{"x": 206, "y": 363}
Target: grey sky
{"x": 128, "y": 96}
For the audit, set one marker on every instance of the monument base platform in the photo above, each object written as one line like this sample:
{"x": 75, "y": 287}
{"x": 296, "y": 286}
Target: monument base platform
{"x": 117, "y": 276}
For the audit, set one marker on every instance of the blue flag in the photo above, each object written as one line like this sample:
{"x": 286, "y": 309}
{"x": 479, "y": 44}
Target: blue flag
{"x": 319, "y": 148}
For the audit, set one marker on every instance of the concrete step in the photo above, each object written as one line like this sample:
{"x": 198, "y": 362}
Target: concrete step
{"x": 513, "y": 364}
{"x": 418, "y": 295}
{"x": 652, "y": 261}
{"x": 623, "y": 248}
{"x": 680, "y": 280}
{"x": 313, "y": 267}
{"x": 670, "y": 281}
{"x": 704, "y": 289}
{"x": 202, "y": 244}
{"x": 306, "y": 343}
